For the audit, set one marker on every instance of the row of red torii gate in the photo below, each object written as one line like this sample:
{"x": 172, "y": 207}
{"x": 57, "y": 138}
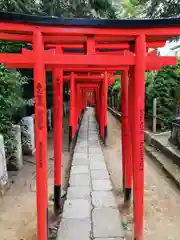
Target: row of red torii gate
{"x": 87, "y": 53}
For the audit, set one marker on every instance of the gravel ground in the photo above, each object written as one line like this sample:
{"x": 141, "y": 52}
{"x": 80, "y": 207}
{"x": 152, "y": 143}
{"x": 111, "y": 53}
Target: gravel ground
{"x": 162, "y": 199}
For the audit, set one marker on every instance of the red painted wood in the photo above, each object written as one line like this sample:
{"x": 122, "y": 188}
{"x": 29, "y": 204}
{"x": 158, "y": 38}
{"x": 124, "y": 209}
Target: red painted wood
{"x": 138, "y": 136}
{"x": 58, "y": 121}
{"x": 41, "y": 138}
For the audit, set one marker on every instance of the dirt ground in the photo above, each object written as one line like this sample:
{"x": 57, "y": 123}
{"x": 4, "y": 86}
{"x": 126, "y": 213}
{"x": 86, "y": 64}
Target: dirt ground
{"x": 18, "y": 206}
{"x": 162, "y": 199}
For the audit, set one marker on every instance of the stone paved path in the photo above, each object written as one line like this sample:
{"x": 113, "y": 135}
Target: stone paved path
{"x": 90, "y": 211}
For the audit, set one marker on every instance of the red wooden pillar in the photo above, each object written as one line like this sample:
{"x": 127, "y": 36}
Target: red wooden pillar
{"x": 94, "y": 98}
{"x": 82, "y": 100}
{"x": 101, "y": 122}
{"x": 78, "y": 95}
{"x": 105, "y": 89}
{"x": 41, "y": 136}
{"x": 72, "y": 116}
{"x": 99, "y": 106}
{"x": 96, "y": 103}
{"x": 126, "y": 140}
{"x": 138, "y": 135}
{"x": 58, "y": 122}
{"x": 76, "y": 109}
{"x": 130, "y": 111}
{"x": 76, "y": 106}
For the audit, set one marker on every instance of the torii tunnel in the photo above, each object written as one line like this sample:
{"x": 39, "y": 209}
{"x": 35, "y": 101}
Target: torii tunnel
{"x": 87, "y": 53}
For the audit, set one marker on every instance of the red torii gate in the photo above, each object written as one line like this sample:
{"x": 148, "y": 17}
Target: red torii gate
{"x": 136, "y": 35}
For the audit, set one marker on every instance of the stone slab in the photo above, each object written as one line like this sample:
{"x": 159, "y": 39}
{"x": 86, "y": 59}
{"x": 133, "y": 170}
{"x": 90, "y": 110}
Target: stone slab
{"x": 79, "y": 180}
{"x": 93, "y": 139}
{"x": 99, "y": 174}
{"x": 103, "y": 199}
{"x": 74, "y": 229}
{"x": 95, "y": 149}
{"x": 80, "y": 150}
{"x": 80, "y": 169}
{"x": 96, "y": 159}
{"x": 96, "y": 156}
{"x": 107, "y": 223}
{"x": 80, "y": 161}
{"x": 77, "y": 209}
{"x": 85, "y": 157}
{"x": 81, "y": 145}
{"x": 80, "y": 155}
{"x": 119, "y": 238}
{"x": 79, "y": 193}
{"x": 97, "y": 165}
{"x": 101, "y": 185}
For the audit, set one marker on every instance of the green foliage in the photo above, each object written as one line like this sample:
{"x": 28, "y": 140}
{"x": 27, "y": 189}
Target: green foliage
{"x": 61, "y": 8}
{"x": 128, "y": 9}
{"x": 160, "y": 8}
{"x": 115, "y": 90}
{"x": 11, "y": 82}
{"x": 21, "y": 6}
{"x": 78, "y": 8}
{"x": 11, "y": 47}
{"x": 116, "y": 86}
{"x": 163, "y": 86}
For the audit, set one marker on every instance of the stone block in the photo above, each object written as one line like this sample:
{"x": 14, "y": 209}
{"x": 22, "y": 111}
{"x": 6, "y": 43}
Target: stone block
{"x": 80, "y": 169}
{"x": 17, "y": 154}
{"x": 78, "y": 193}
{"x": 80, "y": 161}
{"x": 77, "y": 209}
{"x": 81, "y": 145}
{"x": 119, "y": 238}
{"x": 107, "y": 223}
{"x": 3, "y": 167}
{"x": 96, "y": 149}
{"x": 74, "y": 229}
{"x": 97, "y": 165}
{"x": 99, "y": 174}
{"x": 78, "y": 180}
{"x": 101, "y": 185}
{"x": 80, "y": 150}
{"x": 79, "y": 155}
{"x": 27, "y": 131}
{"x": 103, "y": 199}
{"x": 96, "y": 156}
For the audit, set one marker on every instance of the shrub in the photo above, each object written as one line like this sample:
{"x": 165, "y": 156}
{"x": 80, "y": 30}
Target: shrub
{"x": 11, "y": 82}
{"x": 163, "y": 86}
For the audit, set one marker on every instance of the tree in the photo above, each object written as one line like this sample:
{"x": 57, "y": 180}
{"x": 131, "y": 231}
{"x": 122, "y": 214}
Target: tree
{"x": 78, "y": 8}
{"x": 128, "y": 9}
{"x": 21, "y": 6}
{"x": 10, "y": 101}
{"x": 160, "y": 8}
{"x": 163, "y": 86}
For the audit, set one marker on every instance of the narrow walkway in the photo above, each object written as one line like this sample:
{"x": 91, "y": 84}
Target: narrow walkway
{"x": 90, "y": 211}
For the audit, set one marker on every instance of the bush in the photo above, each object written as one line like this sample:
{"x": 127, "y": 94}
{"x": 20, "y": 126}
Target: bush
{"x": 115, "y": 90}
{"x": 11, "y": 101}
{"x": 163, "y": 86}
